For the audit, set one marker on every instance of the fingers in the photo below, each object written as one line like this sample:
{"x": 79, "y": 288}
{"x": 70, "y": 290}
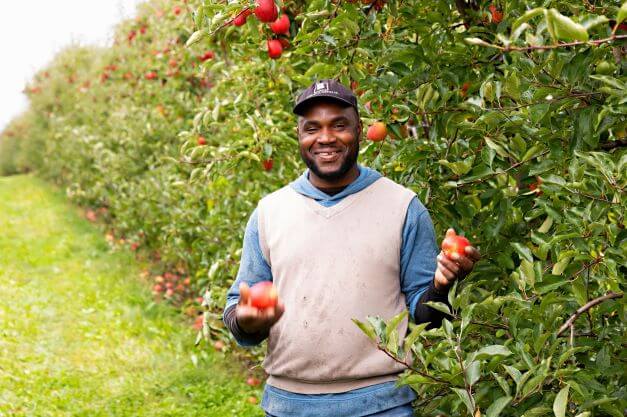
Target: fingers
{"x": 448, "y": 266}
{"x": 473, "y": 253}
{"x": 244, "y": 294}
{"x": 252, "y": 319}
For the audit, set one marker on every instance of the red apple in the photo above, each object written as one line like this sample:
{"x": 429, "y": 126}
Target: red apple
{"x": 150, "y": 75}
{"x": 497, "y": 15}
{"x": 263, "y": 295}
{"x": 377, "y": 132}
{"x": 275, "y": 49}
{"x": 240, "y": 19}
{"x": 207, "y": 55}
{"x": 266, "y": 11}
{"x": 281, "y": 26}
{"x": 177, "y": 10}
{"x": 454, "y": 244}
{"x": 198, "y": 322}
{"x": 267, "y": 164}
{"x": 202, "y": 141}
{"x": 253, "y": 382}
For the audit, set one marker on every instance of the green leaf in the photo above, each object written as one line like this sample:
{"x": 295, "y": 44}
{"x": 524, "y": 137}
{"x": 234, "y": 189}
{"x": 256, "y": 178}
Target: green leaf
{"x": 394, "y": 322}
{"x": 595, "y": 21}
{"x": 196, "y": 37}
{"x": 622, "y": 14}
{"x": 527, "y": 272}
{"x": 546, "y": 225}
{"x": 497, "y": 406}
{"x": 392, "y": 344}
{"x": 465, "y": 397}
{"x": 529, "y": 14}
{"x": 416, "y": 330}
{"x": 566, "y": 29}
{"x": 367, "y": 329}
{"x": 473, "y": 372}
{"x": 514, "y": 373}
{"x": 537, "y": 412}
{"x": 609, "y": 81}
{"x": 523, "y": 251}
{"x": 559, "y": 267}
{"x": 439, "y": 306}
{"x": 477, "y": 42}
{"x": 492, "y": 350}
{"x": 559, "y": 405}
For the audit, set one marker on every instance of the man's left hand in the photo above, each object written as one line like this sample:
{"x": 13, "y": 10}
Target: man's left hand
{"x": 455, "y": 266}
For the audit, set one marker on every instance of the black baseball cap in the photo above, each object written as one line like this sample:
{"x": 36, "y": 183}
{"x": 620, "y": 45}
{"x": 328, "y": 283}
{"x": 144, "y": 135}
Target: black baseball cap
{"x": 325, "y": 88}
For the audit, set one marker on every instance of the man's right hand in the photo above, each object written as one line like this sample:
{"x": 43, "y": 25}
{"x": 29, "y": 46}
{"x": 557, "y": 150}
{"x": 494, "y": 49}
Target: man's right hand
{"x": 254, "y": 320}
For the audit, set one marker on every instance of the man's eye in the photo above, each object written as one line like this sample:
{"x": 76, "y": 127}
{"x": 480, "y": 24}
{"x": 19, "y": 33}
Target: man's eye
{"x": 339, "y": 126}
{"x": 311, "y": 129}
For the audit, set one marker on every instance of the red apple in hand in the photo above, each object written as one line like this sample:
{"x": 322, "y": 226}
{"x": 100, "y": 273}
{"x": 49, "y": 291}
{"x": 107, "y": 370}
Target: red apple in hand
{"x": 454, "y": 244}
{"x": 263, "y": 295}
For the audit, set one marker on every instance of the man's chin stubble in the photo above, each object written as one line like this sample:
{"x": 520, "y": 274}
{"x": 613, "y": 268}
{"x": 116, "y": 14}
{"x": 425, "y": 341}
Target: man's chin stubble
{"x": 330, "y": 176}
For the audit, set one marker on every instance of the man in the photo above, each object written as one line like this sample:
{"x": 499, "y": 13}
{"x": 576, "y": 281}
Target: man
{"x": 340, "y": 242}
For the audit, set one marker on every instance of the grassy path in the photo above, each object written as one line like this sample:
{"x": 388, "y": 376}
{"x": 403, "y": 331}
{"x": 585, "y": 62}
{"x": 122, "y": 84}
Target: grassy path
{"x": 79, "y": 334}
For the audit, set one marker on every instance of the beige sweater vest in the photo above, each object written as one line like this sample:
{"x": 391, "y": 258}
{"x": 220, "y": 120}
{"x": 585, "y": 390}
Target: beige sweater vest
{"x": 332, "y": 264}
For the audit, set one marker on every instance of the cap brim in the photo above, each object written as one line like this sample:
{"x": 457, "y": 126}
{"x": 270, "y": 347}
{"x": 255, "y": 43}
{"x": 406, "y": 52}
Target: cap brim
{"x": 300, "y": 107}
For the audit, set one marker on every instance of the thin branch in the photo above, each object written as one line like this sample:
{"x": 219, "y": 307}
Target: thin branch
{"x": 609, "y": 296}
{"x": 605, "y": 200}
{"x": 516, "y": 165}
{"x": 596, "y": 261}
{"x": 621, "y": 143}
{"x": 559, "y": 45}
{"x": 408, "y": 366}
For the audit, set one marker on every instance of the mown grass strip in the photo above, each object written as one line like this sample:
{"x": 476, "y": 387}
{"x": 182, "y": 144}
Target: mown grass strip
{"x": 79, "y": 333}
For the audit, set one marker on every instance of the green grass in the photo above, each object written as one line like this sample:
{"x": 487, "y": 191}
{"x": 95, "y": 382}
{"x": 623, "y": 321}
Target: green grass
{"x": 79, "y": 333}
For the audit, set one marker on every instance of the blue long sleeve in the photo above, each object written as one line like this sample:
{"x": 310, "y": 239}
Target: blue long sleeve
{"x": 253, "y": 269}
{"x": 418, "y": 254}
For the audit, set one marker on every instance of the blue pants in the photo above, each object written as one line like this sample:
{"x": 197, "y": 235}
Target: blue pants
{"x": 400, "y": 411}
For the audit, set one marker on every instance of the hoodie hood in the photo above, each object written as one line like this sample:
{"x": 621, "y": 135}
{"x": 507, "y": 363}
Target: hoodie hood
{"x": 302, "y": 185}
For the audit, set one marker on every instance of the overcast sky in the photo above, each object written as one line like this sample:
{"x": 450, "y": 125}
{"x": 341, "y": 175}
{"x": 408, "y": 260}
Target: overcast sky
{"x": 31, "y": 32}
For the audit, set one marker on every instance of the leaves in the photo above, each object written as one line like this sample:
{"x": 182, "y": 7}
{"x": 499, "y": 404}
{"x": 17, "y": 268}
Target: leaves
{"x": 502, "y": 130}
{"x": 367, "y": 328}
{"x": 466, "y": 399}
{"x": 561, "y": 399}
{"x": 494, "y": 410}
{"x": 564, "y": 28}
{"x": 622, "y": 14}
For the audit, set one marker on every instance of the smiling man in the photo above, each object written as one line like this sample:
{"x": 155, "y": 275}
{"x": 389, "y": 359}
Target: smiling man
{"x": 340, "y": 242}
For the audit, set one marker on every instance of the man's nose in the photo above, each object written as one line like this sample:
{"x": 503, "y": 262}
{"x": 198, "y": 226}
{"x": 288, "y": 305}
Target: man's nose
{"x": 326, "y": 135}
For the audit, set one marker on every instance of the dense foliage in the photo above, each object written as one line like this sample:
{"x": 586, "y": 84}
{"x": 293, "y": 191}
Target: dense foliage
{"x": 507, "y": 119}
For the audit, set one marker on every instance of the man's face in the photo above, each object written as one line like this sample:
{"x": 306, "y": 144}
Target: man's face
{"x": 328, "y": 135}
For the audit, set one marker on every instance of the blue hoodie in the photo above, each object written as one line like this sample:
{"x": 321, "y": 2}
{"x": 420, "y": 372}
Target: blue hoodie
{"x": 418, "y": 263}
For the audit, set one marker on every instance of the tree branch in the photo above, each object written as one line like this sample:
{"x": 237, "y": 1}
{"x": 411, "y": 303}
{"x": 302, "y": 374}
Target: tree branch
{"x": 621, "y": 143}
{"x": 559, "y": 45}
{"x": 408, "y": 366}
{"x": 586, "y": 307}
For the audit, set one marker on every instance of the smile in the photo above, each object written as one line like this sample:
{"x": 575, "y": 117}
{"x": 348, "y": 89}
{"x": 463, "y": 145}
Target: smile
{"x": 328, "y": 156}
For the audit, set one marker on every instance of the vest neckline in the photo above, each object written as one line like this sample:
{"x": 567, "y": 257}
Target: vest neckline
{"x": 328, "y": 212}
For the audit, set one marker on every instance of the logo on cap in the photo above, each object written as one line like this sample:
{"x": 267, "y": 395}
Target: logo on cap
{"x": 321, "y": 86}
